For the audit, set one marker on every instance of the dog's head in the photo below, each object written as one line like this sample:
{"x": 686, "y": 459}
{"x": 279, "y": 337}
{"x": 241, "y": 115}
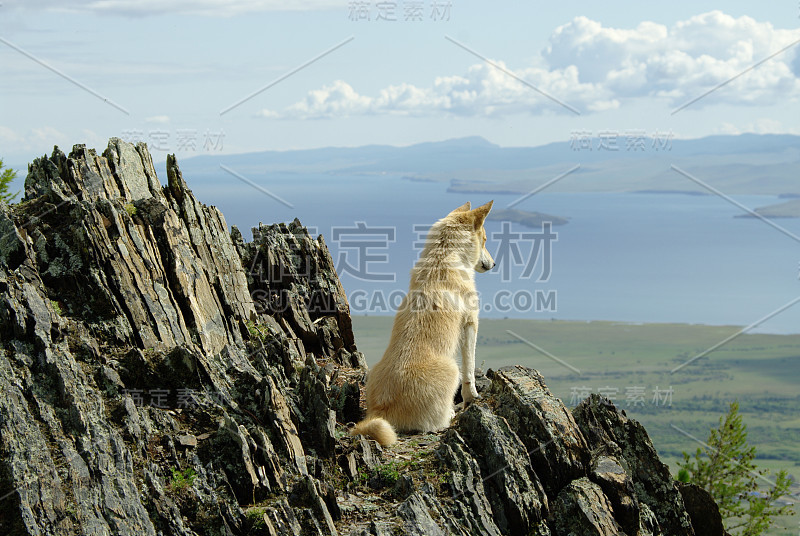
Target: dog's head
{"x": 475, "y": 248}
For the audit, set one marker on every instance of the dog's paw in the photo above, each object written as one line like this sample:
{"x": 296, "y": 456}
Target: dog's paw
{"x": 469, "y": 394}
{"x": 469, "y": 399}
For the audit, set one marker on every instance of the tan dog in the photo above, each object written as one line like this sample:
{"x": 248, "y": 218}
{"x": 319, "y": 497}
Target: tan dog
{"x": 413, "y": 386}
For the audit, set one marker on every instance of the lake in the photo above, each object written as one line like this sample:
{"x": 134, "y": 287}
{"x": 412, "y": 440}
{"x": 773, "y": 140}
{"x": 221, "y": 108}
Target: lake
{"x": 629, "y": 257}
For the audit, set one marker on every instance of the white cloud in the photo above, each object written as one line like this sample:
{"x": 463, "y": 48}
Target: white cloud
{"x": 729, "y": 128}
{"x": 483, "y": 90}
{"x": 44, "y": 135}
{"x": 143, "y": 8}
{"x": 32, "y": 141}
{"x": 337, "y": 99}
{"x": 594, "y": 68}
{"x": 760, "y": 126}
{"x": 158, "y": 119}
{"x": 682, "y": 62}
{"x": 8, "y": 136}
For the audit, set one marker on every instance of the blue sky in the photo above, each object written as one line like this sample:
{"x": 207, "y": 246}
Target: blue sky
{"x": 174, "y": 66}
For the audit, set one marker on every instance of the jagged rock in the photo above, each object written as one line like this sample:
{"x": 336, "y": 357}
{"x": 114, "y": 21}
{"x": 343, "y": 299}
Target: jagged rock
{"x": 554, "y": 442}
{"x": 347, "y": 400}
{"x": 469, "y": 502}
{"x": 581, "y": 508}
{"x": 124, "y": 301}
{"x": 285, "y": 429}
{"x": 280, "y": 519}
{"x": 240, "y": 458}
{"x": 609, "y": 433}
{"x": 187, "y": 441}
{"x": 160, "y": 375}
{"x": 307, "y": 500}
{"x": 403, "y": 488}
{"x": 702, "y": 509}
{"x": 417, "y": 513}
{"x": 319, "y": 430}
{"x": 108, "y": 379}
{"x": 369, "y": 452}
{"x": 374, "y": 529}
{"x": 617, "y": 486}
{"x": 517, "y": 497}
{"x": 293, "y": 276}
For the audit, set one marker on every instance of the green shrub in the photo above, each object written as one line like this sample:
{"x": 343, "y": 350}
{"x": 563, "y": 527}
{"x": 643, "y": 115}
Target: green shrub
{"x": 6, "y": 176}
{"x": 724, "y": 467}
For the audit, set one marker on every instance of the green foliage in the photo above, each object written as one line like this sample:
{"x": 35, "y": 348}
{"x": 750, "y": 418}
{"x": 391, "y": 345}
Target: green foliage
{"x": 256, "y": 517}
{"x": 683, "y": 476}
{"x": 258, "y": 332}
{"x": 182, "y": 479}
{"x": 389, "y": 473}
{"x": 57, "y": 307}
{"x": 384, "y": 475}
{"x": 130, "y": 208}
{"x": 724, "y": 467}
{"x": 6, "y": 176}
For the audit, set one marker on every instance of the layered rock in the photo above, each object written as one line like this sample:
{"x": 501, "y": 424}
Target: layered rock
{"x": 161, "y": 375}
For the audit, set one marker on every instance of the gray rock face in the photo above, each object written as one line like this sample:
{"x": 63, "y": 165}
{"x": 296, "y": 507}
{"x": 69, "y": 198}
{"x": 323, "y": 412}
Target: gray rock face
{"x": 556, "y": 447}
{"x": 160, "y": 375}
{"x": 610, "y": 433}
{"x": 702, "y": 510}
{"x": 513, "y": 488}
{"x": 582, "y": 508}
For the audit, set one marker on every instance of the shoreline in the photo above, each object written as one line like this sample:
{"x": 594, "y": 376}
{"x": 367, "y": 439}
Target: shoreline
{"x": 608, "y": 323}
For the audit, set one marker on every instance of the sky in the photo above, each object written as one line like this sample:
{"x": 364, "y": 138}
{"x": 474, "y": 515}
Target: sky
{"x": 200, "y": 76}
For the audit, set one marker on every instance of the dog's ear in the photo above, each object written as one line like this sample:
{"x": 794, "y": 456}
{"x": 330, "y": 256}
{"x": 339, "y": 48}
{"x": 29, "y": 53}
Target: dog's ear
{"x": 480, "y": 213}
{"x": 463, "y": 208}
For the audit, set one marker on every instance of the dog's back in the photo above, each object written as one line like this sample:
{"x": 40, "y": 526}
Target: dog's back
{"x": 413, "y": 385}
{"x": 417, "y": 375}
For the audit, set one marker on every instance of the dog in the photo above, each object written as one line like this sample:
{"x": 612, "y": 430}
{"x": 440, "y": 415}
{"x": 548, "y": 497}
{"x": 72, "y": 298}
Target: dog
{"x": 412, "y": 387}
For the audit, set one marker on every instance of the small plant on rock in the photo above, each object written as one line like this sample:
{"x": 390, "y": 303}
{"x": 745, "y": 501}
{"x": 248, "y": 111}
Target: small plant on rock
{"x": 259, "y": 332}
{"x": 56, "y": 307}
{"x": 181, "y": 480}
{"x": 131, "y": 209}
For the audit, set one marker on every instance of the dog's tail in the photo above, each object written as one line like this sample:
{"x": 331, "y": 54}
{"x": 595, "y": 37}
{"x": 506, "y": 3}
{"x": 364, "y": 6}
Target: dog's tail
{"x": 378, "y": 429}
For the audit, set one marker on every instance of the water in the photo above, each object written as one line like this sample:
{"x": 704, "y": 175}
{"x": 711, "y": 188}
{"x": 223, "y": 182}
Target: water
{"x": 623, "y": 256}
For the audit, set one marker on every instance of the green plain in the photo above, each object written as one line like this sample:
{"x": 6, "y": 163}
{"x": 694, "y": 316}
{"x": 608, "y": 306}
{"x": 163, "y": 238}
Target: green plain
{"x": 634, "y": 364}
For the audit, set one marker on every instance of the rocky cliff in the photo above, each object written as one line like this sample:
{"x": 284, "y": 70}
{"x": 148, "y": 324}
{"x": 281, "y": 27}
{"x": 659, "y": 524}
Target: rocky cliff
{"x": 161, "y": 375}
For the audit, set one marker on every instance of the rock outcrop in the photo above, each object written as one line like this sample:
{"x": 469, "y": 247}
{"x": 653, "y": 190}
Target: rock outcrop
{"x": 160, "y": 375}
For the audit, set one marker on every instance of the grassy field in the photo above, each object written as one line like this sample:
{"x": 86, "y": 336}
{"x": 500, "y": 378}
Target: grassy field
{"x": 633, "y": 365}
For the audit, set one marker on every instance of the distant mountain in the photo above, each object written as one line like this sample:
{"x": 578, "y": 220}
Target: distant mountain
{"x": 787, "y": 209}
{"x": 528, "y": 219}
{"x": 743, "y": 164}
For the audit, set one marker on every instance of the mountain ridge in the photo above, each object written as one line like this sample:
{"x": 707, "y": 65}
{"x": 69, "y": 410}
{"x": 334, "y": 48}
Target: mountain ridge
{"x": 742, "y": 164}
